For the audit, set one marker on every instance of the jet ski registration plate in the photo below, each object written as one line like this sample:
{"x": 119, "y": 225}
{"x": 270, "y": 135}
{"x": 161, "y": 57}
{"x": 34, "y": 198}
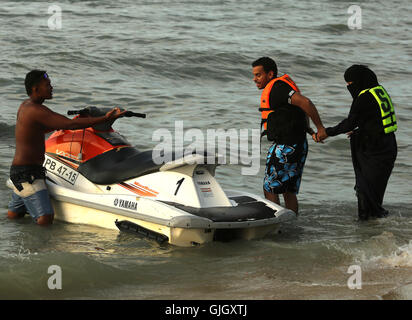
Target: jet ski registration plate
{"x": 64, "y": 172}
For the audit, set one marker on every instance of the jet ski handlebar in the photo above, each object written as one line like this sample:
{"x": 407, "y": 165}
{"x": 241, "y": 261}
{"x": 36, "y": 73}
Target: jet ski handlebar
{"x": 129, "y": 114}
{"x": 97, "y": 112}
{"x": 73, "y": 112}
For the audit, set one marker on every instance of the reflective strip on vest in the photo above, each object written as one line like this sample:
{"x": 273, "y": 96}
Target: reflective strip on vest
{"x": 386, "y": 107}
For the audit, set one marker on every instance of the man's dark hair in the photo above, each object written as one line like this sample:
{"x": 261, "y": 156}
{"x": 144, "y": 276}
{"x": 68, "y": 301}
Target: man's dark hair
{"x": 268, "y": 64}
{"x": 33, "y": 78}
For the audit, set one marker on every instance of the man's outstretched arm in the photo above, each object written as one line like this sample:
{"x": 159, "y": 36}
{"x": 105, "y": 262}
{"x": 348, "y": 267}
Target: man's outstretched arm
{"x": 56, "y": 121}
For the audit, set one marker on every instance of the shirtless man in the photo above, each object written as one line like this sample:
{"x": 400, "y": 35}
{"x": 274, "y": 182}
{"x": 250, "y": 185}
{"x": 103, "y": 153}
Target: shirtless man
{"x": 34, "y": 119}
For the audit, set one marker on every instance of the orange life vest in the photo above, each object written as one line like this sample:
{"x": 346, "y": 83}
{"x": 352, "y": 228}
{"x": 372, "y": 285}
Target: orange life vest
{"x": 264, "y": 99}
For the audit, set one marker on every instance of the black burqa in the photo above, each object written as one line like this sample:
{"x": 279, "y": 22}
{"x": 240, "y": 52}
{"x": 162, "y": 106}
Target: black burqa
{"x": 373, "y": 156}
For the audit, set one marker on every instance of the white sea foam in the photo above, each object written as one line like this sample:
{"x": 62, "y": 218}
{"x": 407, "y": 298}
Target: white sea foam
{"x": 402, "y": 257}
{"x": 391, "y": 255}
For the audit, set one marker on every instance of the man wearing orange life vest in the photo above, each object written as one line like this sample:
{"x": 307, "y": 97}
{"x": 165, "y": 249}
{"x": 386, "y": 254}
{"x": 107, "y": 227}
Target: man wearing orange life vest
{"x": 285, "y": 113}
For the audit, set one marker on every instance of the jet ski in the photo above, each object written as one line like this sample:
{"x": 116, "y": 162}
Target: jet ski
{"x": 95, "y": 177}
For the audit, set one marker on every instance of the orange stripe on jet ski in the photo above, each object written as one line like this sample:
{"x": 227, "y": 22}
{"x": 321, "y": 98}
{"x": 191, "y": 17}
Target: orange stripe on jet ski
{"x": 147, "y": 189}
{"x": 140, "y": 190}
{"x": 126, "y": 186}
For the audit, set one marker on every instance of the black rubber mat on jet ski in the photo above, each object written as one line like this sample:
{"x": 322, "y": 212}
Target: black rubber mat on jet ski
{"x": 248, "y": 210}
{"x": 243, "y": 199}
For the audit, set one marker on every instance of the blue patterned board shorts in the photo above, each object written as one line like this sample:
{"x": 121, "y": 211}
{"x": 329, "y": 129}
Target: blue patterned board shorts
{"x": 284, "y": 167}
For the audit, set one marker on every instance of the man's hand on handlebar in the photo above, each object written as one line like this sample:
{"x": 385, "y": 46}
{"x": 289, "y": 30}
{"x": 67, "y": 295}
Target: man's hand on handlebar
{"x": 115, "y": 113}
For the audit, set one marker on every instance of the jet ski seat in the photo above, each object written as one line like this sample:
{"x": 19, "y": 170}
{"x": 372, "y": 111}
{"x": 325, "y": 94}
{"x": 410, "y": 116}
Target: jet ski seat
{"x": 118, "y": 165}
{"x": 121, "y": 164}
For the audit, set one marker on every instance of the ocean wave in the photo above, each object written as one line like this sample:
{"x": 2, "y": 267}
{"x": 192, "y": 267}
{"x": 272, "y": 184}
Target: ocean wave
{"x": 220, "y": 66}
{"x": 6, "y": 131}
{"x": 401, "y": 257}
{"x": 78, "y": 271}
{"x": 334, "y": 28}
{"x": 383, "y": 251}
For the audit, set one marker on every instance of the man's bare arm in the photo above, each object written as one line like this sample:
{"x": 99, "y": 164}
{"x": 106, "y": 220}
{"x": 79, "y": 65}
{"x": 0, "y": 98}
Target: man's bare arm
{"x": 55, "y": 121}
{"x": 306, "y": 105}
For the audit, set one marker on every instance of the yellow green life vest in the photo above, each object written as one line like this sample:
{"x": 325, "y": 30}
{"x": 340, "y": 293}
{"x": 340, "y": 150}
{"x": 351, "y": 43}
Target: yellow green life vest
{"x": 386, "y": 107}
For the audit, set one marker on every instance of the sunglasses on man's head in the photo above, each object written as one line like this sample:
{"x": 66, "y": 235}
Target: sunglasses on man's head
{"x": 45, "y": 75}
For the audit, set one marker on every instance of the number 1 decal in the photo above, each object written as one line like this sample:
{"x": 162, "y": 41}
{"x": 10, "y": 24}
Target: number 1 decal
{"x": 179, "y": 183}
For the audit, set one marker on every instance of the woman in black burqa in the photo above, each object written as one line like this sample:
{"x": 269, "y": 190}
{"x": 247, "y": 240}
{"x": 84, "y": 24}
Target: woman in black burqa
{"x": 373, "y": 150}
